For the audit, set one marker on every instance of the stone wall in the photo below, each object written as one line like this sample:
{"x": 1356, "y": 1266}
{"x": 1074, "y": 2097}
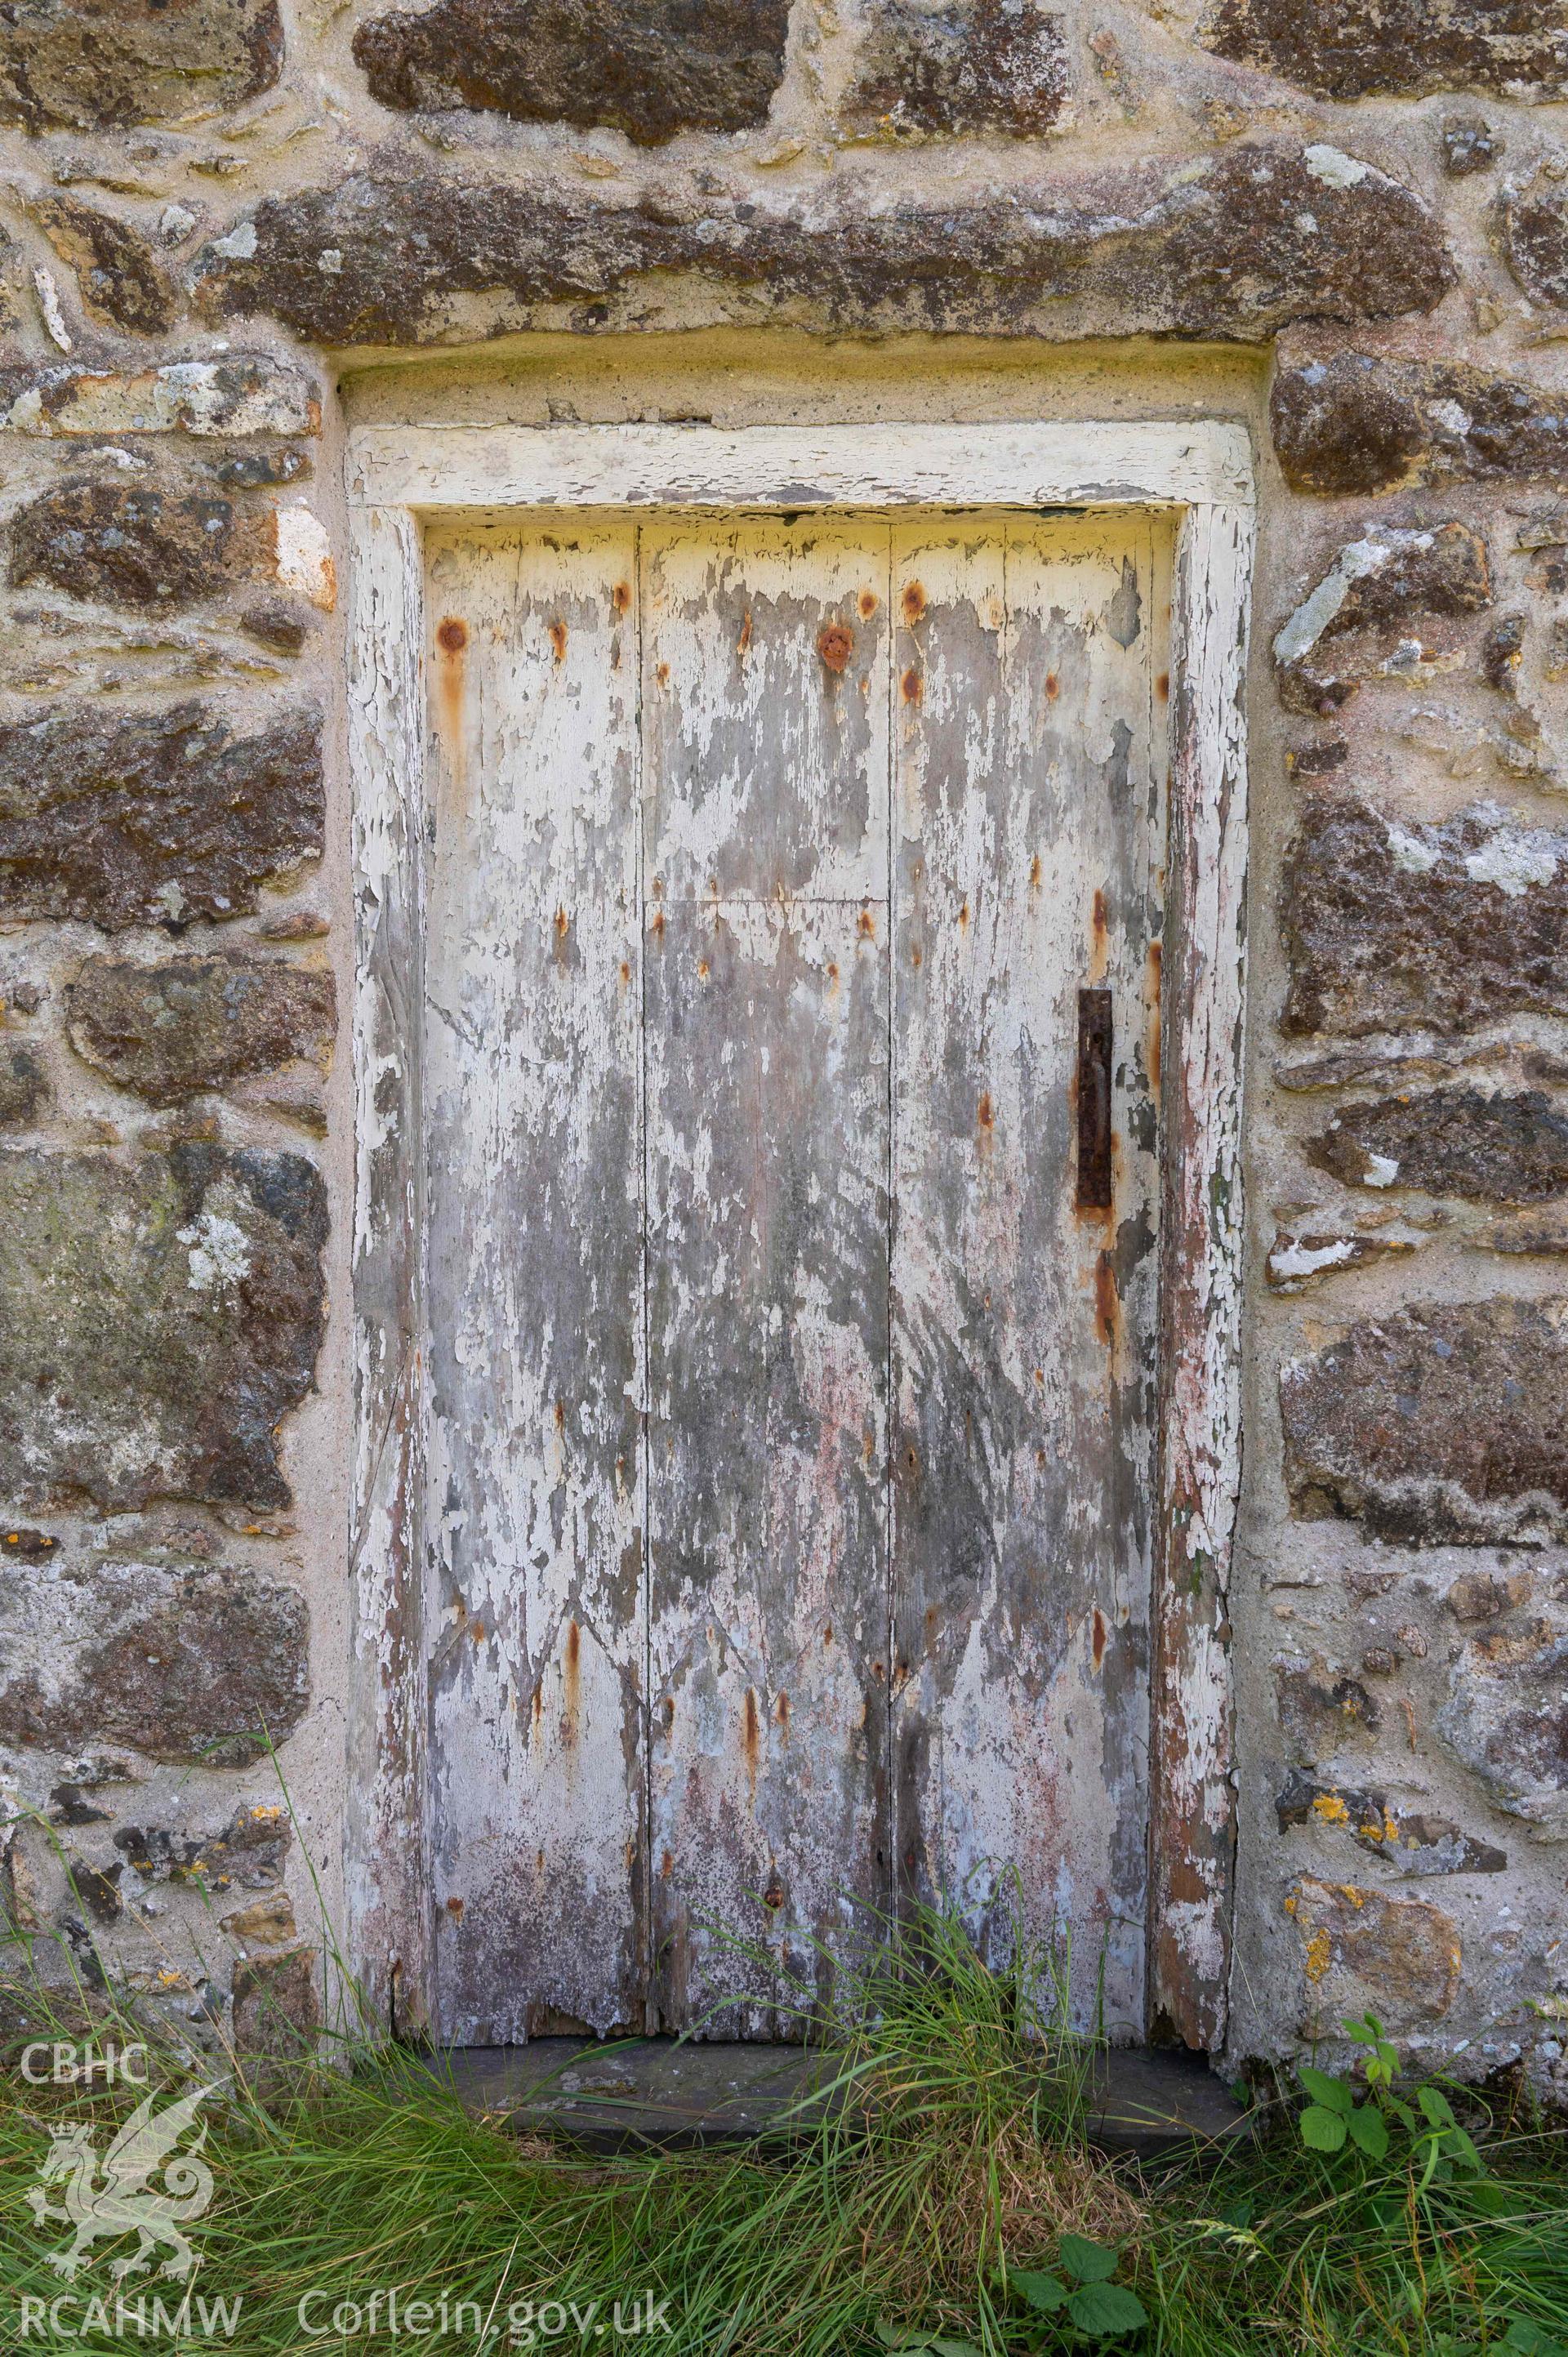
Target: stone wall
{"x": 229, "y": 224}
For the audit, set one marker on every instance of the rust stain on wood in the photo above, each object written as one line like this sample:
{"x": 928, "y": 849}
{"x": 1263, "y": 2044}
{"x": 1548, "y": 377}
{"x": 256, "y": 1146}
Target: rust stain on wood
{"x": 835, "y": 644}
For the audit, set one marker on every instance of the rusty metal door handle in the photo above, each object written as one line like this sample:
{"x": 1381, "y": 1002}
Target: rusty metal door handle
{"x": 1094, "y": 1192}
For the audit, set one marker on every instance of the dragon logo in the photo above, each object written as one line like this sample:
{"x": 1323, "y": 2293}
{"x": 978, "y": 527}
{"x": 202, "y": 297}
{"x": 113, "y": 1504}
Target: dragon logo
{"x": 110, "y": 2197}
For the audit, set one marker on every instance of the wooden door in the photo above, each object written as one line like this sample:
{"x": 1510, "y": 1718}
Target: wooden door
{"x": 793, "y": 1341}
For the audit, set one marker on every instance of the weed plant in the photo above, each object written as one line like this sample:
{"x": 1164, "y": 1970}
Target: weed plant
{"x": 937, "y": 2190}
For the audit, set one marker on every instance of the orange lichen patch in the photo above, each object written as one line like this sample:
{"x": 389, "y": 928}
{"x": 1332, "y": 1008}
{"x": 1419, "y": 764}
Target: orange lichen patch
{"x": 914, "y": 603}
{"x": 1319, "y": 1956}
{"x": 1330, "y": 1809}
{"x": 835, "y": 644}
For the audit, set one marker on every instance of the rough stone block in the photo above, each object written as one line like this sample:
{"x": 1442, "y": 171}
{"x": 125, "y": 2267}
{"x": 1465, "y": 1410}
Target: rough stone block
{"x": 1400, "y": 1956}
{"x": 1376, "y": 588}
{"x": 1411, "y": 1843}
{"x": 662, "y": 66}
{"x": 265, "y": 1922}
{"x": 1446, "y": 1424}
{"x": 125, "y": 546}
{"x": 186, "y": 1663}
{"x": 1533, "y": 224}
{"x": 1506, "y": 1721}
{"x": 124, "y": 818}
{"x": 1494, "y": 1149}
{"x": 1297, "y": 1259}
{"x": 24, "y": 1087}
{"x": 82, "y": 65}
{"x": 277, "y": 2011}
{"x": 248, "y": 1854}
{"x": 245, "y": 392}
{"x": 1236, "y": 247}
{"x": 1442, "y": 928}
{"x": 188, "y": 1024}
{"x": 1354, "y": 49}
{"x": 1353, "y": 422}
{"x": 121, "y": 280}
{"x": 1469, "y": 144}
{"x": 1321, "y": 1711}
{"x": 157, "y": 1321}
{"x": 973, "y": 67}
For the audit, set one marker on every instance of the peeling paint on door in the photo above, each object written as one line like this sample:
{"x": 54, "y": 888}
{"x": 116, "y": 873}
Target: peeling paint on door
{"x": 791, "y": 1486}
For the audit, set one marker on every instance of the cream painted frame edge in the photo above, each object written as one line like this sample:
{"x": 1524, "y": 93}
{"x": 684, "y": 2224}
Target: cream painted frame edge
{"x": 1203, "y": 471}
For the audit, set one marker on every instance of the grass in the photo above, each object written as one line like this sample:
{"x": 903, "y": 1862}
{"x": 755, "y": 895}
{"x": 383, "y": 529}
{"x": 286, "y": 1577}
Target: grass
{"x": 951, "y": 2164}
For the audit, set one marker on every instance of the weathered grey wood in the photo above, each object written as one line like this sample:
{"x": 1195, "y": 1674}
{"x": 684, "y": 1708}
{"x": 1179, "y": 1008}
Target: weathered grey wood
{"x": 532, "y": 1118}
{"x": 766, "y": 1047}
{"x": 767, "y": 1331}
{"x": 1029, "y": 812}
{"x": 766, "y": 708}
{"x": 439, "y": 464}
{"x": 386, "y": 1860}
{"x": 1193, "y": 1806}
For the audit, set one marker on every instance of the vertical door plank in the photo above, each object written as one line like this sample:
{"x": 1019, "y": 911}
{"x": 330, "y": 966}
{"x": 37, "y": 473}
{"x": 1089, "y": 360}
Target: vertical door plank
{"x": 766, "y": 1083}
{"x": 1193, "y": 1802}
{"x": 765, "y": 709}
{"x": 1028, "y": 799}
{"x": 532, "y": 1094}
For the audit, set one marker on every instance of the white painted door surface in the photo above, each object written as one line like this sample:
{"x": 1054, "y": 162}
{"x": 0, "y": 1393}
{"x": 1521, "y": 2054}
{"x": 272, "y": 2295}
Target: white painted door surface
{"x": 793, "y": 1340}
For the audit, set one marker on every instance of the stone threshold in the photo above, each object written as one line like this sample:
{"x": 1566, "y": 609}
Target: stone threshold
{"x": 658, "y": 2091}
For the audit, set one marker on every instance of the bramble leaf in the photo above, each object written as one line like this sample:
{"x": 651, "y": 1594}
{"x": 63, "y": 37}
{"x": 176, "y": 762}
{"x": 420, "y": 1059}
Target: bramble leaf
{"x": 1321, "y": 2130}
{"x": 1369, "y": 2130}
{"x": 1332, "y": 2093}
{"x": 1088, "y": 2262}
{"x": 1104, "y": 2309}
{"x": 1045, "y": 2292}
{"x": 1530, "y": 2339}
{"x": 1437, "y": 2107}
